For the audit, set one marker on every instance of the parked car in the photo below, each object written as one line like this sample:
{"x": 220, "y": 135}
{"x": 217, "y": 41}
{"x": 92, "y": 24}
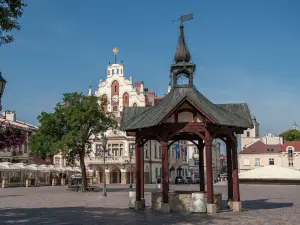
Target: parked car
{"x": 188, "y": 180}
{"x": 179, "y": 180}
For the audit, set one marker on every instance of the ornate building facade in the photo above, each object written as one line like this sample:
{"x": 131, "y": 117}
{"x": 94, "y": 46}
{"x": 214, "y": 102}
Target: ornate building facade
{"x": 120, "y": 92}
{"x": 18, "y": 152}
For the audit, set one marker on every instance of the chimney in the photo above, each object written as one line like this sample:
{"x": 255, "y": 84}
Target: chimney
{"x": 10, "y": 115}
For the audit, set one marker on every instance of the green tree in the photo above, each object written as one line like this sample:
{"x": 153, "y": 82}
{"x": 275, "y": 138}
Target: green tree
{"x": 69, "y": 130}
{"x": 10, "y": 12}
{"x": 291, "y": 135}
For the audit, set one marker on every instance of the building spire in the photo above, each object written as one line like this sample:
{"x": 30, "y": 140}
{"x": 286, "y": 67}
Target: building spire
{"x": 182, "y": 53}
{"x": 183, "y": 65}
{"x": 90, "y": 91}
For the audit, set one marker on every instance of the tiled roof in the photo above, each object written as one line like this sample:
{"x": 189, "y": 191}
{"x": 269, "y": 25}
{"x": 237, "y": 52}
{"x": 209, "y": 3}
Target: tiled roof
{"x": 261, "y": 148}
{"x": 236, "y": 115}
{"x": 295, "y": 144}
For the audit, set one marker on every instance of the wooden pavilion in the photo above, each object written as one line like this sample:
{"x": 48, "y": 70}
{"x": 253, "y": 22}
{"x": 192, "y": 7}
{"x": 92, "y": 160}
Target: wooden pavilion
{"x": 185, "y": 114}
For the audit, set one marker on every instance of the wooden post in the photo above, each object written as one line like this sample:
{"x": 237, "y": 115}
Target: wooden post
{"x": 229, "y": 170}
{"x": 235, "y": 174}
{"x": 209, "y": 172}
{"x": 138, "y": 150}
{"x": 201, "y": 165}
{"x": 142, "y": 172}
{"x": 165, "y": 172}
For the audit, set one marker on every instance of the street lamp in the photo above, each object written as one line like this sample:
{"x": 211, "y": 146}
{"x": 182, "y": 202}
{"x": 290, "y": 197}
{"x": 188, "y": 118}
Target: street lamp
{"x": 2, "y": 87}
{"x": 104, "y": 143}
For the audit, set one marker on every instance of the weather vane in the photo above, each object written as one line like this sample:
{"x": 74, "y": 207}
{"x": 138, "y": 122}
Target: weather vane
{"x": 185, "y": 18}
{"x": 115, "y": 51}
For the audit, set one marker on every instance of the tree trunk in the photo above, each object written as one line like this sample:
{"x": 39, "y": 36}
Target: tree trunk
{"x": 83, "y": 169}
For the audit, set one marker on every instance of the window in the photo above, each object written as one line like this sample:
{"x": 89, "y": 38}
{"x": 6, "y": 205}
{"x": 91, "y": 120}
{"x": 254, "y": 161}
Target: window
{"x": 246, "y": 162}
{"x": 108, "y": 72}
{"x": 113, "y": 71}
{"x": 270, "y": 149}
{"x": 257, "y": 162}
{"x": 196, "y": 162}
{"x": 155, "y": 151}
{"x": 290, "y": 152}
{"x": 25, "y": 148}
{"x": 121, "y": 149}
{"x": 159, "y": 151}
{"x": 121, "y": 71}
{"x": 160, "y": 171}
{"x": 125, "y": 99}
{"x": 131, "y": 149}
{"x": 117, "y": 71}
{"x": 146, "y": 151}
{"x": 57, "y": 161}
{"x": 186, "y": 173}
{"x": 134, "y": 105}
{"x": 156, "y": 172}
{"x": 271, "y": 162}
{"x": 248, "y": 134}
{"x": 98, "y": 150}
{"x": 291, "y": 162}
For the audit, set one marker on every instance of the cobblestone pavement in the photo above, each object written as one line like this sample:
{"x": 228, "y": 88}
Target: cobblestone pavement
{"x": 268, "y": 204}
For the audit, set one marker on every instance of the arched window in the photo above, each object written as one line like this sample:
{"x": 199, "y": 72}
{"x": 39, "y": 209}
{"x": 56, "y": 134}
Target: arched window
{"x": 115, "y": 88}
{"x": 117, "y": 71}
{"x": 113, "y": 71}
{"x": 134, "y": 105}
{"x": 115, "y": 96}
{"x": 248, "y": 133}
{"x": 108, "y": 72}
{"x": 121, "y": 71}
{"x": 104, "y": 101}
{"x": 126, "y": 99}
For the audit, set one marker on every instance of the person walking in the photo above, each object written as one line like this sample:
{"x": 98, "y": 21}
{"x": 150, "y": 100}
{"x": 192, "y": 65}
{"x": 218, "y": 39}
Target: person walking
{"x": 158, "y": 181}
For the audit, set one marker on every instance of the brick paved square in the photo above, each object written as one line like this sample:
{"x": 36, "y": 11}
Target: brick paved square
{"x": 269, "y": 204}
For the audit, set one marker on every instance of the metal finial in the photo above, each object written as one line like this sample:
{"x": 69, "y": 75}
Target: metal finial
{"x": 115, "y": 51}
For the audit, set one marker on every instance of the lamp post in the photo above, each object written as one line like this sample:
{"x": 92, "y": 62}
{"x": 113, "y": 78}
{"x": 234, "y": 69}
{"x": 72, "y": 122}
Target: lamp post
{"x": 2, "y": 87}
{"x": 104, "y": 143}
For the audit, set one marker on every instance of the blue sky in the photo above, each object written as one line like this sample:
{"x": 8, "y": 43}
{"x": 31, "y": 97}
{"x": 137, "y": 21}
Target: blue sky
{"x": 245, "y": 51}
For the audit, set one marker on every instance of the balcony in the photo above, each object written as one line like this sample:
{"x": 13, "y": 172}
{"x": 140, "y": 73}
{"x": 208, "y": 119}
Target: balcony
{"x": 111, "y": 160}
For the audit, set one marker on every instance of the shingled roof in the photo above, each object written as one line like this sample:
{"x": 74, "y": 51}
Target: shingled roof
{"x": 237, "y": 115}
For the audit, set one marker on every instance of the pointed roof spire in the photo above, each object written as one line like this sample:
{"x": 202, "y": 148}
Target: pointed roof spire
{"x": 182, "y": 53}
{"x": 90, "y": 91}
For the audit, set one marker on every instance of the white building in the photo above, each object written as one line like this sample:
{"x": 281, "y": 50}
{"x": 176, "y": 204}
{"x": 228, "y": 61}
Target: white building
{"x": 16, "y": 154}
{"x": 193, "y": 160}
{"x": 251, "y": 136}
{"x": 119, "y": 92}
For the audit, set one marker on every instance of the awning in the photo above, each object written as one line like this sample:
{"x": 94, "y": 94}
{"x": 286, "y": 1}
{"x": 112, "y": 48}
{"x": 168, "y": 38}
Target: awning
{"x": 270, "y": 173}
